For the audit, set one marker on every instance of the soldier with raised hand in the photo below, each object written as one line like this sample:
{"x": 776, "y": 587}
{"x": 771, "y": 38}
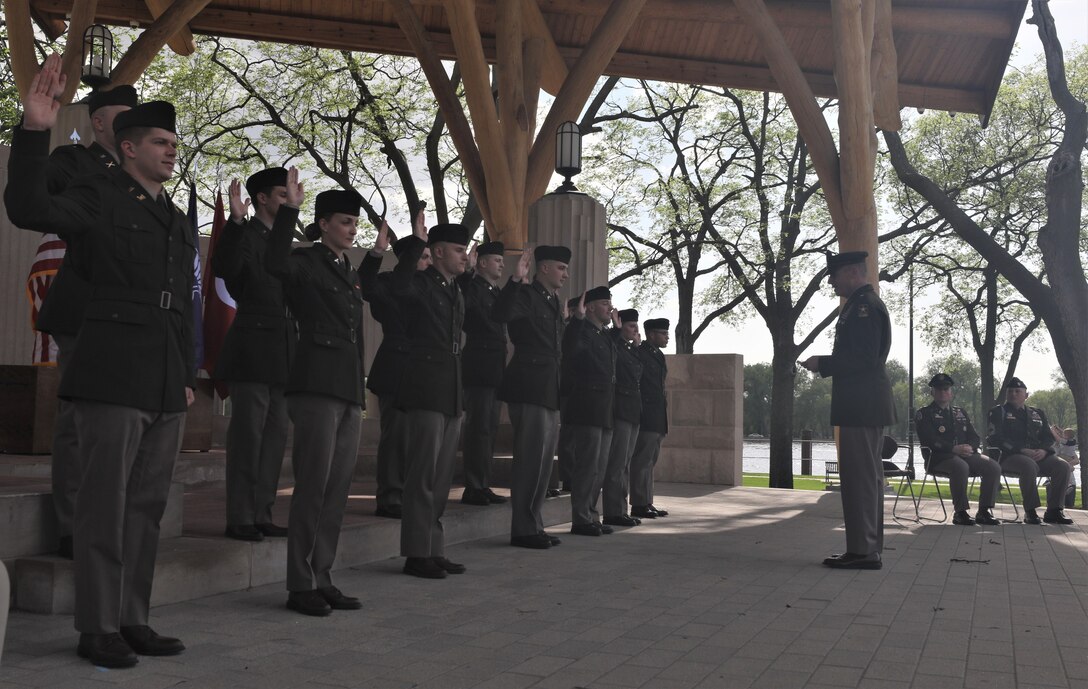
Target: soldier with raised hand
{"x": 482, "y": 362}
{"x": 1022, "y": 433}
{"x": 132, "y": 374}
{"x": 256, "y": 357}
{"x": 653, "y": 421}
{"x": 627, "y": 413}
{"x": 325, "y": 386}
{"x": 534, "y": 318}
{"x": 62, "y": 310}
{"x": 591, "y": 352}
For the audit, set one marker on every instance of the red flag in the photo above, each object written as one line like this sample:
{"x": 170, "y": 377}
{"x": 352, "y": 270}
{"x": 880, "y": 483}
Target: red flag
{"x": 42, "y": 271}
{"x": 219, "y": 306}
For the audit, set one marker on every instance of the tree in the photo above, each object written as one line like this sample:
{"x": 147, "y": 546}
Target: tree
{"x": 757, "y": 399}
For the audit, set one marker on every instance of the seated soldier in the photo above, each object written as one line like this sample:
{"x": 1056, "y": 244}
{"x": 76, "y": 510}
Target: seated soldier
{"x": 1022, "y": 433}
{"x": 953, "y": 449}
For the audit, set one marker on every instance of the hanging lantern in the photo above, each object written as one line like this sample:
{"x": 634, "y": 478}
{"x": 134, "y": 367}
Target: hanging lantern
{"x": 568, "y": 154}
{"x": 97, "y": 56}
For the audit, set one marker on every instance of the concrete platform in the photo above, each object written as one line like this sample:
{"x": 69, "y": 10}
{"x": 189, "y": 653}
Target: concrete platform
{"x": 725, "y": 593}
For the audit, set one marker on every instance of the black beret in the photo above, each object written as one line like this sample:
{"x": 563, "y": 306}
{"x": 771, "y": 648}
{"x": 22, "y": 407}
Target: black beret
{"x": 1015, "y": 382}
{"x": 448, "y": 232}
{"x": 628, "y": 316}
{"x": 490, "y": 249}
{"x": 836, "y": 261}
{"x": 941, "y": 380}
{"x": 346, "y": 201}
{"x": 598, "y": 293}
{"x": 401, "y": 245}
{"x": 265, "y": 179}
{"x": 155, "y": 113}
{"x": 552, "y": 253}
{"x": 120, "y": 95}
{"x": 656, "y": 324}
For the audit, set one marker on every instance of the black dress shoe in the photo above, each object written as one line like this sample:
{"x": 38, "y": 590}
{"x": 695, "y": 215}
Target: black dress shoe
{"x": 423, "y": 567}
{"x": 585, "y": 530}
{"x": 64, "y": 547}
{"x": 243, "y": 532}
{"x": 605, "y": 530}
{"x": 554, "y": 540}
{"x": 475, "y": 498}
{"x": 536, "y": 541}
{"x": 986, "y": 518}
{"x": 961, "y": 518}
{"x": 832, "y": 559}
{"x": 1031, "y": 517}
{"x": 854, "y": 561}
{"x": 553, "y": 493}
{"x": 106, "y": 650}
{"x": 310, "y": 603}
{"x": 146, "y": 642}
{"x": 1056, "y": 517}
{"x": 270, "y": 530}
{"x": 660, "y": 513}
{"x": 337, "y": 600}
{"x": 621, "y": 520}
{"x": 390, "y": 511}
{"x": 495, "y": 498}
{"x": 449, "y": 567}
{"x": 643, "y": 512}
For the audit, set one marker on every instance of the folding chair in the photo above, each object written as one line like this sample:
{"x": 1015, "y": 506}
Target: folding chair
{"x": 994, "y": 453}
{"x": 905, "y": 476}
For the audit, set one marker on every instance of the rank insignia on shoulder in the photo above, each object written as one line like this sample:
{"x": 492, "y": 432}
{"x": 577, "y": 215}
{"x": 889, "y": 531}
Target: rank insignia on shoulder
{"x": 140, "y": 197}
{"x": 863, "y": 310}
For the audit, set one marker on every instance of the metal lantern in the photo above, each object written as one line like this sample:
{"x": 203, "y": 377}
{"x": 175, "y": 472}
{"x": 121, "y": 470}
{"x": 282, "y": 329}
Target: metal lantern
{"x": 97, "y": 56}
{"x": 568, "y": 154}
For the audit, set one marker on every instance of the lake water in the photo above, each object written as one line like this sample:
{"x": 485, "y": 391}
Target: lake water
{"x": 757, "y": 454}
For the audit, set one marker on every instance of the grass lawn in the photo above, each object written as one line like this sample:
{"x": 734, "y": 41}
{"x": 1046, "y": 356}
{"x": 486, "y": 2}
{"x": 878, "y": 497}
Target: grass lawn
{"x": 814, "y": 483}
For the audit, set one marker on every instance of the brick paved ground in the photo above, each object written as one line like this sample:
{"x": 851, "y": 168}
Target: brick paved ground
{"x": 726, "y": 592}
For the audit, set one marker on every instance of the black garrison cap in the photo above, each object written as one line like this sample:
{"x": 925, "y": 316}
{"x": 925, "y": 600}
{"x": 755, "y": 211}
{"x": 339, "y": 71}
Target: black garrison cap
{"x": 155, "y": 113}
{"x": 1015, "y": 382}
{"x": 552, "y": 253}
{"x": 346, "y": 201}
{"x": 836, "y": 261}
{"x": 490, "y": 249}
{"x": 628, "y": 316}
{"x": 598, "y": 293}
{"x": 941, "y": 380}
{"x": 265, "y": 179}
{"x": 120, "y": 95}
{"x": 656, "y": 324}
{"x": 448, "y": 232}
{"x": 401, "y": 245}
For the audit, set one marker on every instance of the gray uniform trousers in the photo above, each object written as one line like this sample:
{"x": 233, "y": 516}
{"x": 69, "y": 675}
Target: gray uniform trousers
{"x": 647, "y": 449}
{"x": 959, "y": 469}
{"x": 126, "y": 465}
{"x": 481, "y": 425}
{"x": 564, "y": 449}
{"x": 65, "y": 474}
{"x": 591, "y": 445}
{"x": 323, "y": 459}
{"x": 392, "y": 452}
{"x": 536, "y": 430}
{"x": 1055, "y": 468}
{"x": 861, "y": 474}
{"x": 617, "y": 475}
{"x": 432, "y": 449}
{"x": 256, "y": 441}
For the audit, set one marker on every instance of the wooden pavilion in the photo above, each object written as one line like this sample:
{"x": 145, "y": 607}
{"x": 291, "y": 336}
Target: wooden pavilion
{"x": 875, "y": 56}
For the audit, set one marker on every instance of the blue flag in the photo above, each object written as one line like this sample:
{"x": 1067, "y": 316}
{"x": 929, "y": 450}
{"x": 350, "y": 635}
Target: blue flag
{"x": 198, "y": 297}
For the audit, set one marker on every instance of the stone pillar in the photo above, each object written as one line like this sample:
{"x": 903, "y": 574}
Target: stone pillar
{"x": 575, "y": 220}
{"x": 706, "y": 405}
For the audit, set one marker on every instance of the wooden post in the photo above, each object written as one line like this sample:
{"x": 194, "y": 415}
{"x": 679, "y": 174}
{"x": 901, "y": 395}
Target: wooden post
{"x": 513, "y": 117}
{"x": 885, "y": 71}
{"x": 144, "y": 49}
{"x": 181, "y": 42}
{"x": 554, "y": 71}
{"x": 24, "y": 63}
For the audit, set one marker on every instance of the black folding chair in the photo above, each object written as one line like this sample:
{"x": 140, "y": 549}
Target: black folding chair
{"x": 905, "y": 476}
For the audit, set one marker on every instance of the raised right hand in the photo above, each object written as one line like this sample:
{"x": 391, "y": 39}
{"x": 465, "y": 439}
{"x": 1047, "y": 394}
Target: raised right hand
{"x": 580, "y": 309}
{"x": 238, "y": 208}
{"x": 381, "y": 242}
{"x": 521, "y": 268}
{"x": 40, "y": 105}
{"x": 296, "y": 191}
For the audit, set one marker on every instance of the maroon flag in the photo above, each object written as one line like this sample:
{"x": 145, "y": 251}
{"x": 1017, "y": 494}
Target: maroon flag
{"x": 219, "y": 306}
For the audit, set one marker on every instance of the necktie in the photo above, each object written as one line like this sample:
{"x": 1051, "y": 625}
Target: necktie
{"x": 164, "y": 203}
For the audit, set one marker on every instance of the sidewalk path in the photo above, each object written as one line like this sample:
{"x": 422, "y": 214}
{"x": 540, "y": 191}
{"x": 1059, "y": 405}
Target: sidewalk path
{"x": 725, "y": 592}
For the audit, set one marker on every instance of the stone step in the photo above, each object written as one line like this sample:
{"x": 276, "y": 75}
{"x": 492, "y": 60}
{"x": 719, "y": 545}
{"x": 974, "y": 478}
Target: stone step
{"x": 192, "y": 567}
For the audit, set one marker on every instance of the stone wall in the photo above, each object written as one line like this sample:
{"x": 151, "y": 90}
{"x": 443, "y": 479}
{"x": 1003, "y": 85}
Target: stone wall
{"x": 705, "y": 443}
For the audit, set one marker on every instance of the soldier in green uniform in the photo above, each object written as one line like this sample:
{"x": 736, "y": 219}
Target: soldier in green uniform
{"x": 64, "y": 304}
{"x": 953, "y": 449}
{"x": 627, "y": 412}
{"x": 132, "y": 373}
{"x": 1022, "y": 433}
{"x": 654, "y": 419}
{"x": 861, "y": 405}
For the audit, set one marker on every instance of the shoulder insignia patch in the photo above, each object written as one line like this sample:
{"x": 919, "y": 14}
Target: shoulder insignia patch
{"x": 863, "y": 310}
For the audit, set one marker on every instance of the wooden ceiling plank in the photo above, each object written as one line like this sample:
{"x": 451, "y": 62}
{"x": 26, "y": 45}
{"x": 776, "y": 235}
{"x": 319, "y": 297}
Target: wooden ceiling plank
{"x": 181, "y": 42}
{"x": 144, "y": 49}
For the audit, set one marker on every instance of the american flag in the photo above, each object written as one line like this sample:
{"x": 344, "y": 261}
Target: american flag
{"x": 45, "y": 267}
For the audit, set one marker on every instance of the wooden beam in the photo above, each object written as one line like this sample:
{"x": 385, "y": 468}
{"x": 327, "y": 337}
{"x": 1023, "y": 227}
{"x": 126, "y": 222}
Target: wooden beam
{"x": 853, "y": 47}
{"x": 475, "y": 75}
{"x": 24, "y": 63}
{"x": 554, "y": 67}
{"x": 802, "y": 102}
{"x": 72, "y": 64}
{"x": 885, "y": 70}
{"x": 602, "y": 45}
{"x": 144, "y": 49}
{"x": 513, "y": 117}
{"x": 181, "y": 42}
{"x": 448, "y": 103}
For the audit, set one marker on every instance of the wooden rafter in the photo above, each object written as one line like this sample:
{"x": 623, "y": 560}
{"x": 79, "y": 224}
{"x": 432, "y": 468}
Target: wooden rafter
{"x": 554, "y": 67}
{"x": 24, "y": 64}
{"x": 72, "y": 64}
{"x": 513, "y": 116}
{"x": 181, "y": 42}
{"x": 144, "y": 49}
{"x": 598, "y": 52}
{"x": 885, "y": 71}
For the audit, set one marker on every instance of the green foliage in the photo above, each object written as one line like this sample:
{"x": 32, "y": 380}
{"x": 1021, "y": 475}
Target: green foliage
{"x": 1058, "y": 405}
{"x": 757, "y": 399}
